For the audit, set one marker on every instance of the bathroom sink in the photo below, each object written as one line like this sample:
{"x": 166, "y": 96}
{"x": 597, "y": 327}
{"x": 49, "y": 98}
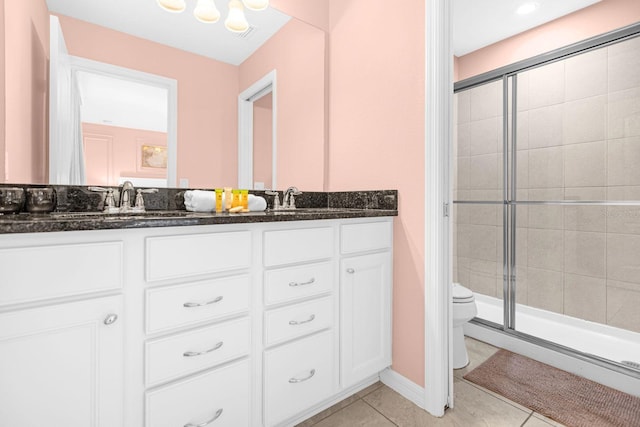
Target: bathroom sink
{"x": 119, "y": 215}
{"x": 305, "y": 210}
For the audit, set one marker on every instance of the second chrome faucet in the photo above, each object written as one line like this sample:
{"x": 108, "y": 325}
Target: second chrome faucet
{"x": 288, "y": 198}
{"x": 126, "y": 194}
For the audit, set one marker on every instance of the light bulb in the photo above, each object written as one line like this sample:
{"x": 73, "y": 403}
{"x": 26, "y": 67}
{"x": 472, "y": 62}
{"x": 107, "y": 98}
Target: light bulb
{"x": 236, "y": 20}
{"x": 527, "y": 8}
{"x": 175, "y": 6}
{"x": 256, "y": 4}
{"x": 206, "y": 12}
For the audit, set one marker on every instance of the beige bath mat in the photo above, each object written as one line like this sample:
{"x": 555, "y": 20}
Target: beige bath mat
{"x": 569, "y": 399}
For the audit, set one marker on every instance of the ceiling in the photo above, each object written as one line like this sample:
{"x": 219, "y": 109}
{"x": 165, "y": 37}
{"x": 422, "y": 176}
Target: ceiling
{"x": 145, "y": 19}
{"x": 118, "y": 102}
{"x": 480, "y": 23}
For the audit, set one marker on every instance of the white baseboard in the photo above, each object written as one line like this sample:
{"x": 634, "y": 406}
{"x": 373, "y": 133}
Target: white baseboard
{"x": 407, "y": 388}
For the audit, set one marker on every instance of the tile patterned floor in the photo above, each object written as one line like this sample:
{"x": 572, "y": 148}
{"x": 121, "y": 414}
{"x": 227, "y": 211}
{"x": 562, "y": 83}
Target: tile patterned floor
{"x": 379, "y": 406}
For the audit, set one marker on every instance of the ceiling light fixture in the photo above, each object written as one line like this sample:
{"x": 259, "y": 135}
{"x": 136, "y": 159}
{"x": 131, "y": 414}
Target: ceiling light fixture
{"x": 236, "y": 21}
{"x": 207, "y": 12}
{"x": 527, "y": 8}
{"x": 256, "y": 4}
{"x": 174, "y": 6}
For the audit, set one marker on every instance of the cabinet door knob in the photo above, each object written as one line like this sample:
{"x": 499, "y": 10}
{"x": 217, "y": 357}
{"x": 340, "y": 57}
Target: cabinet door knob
{"x": 110, "y": 319}
{"x": 350, "y": 270}
{"x": 206, "y": 423}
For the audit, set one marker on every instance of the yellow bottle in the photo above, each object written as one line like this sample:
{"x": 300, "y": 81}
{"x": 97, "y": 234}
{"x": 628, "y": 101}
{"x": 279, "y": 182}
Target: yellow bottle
{"x": 218, "y": 200}
{"x": 228, "y": 198}
{"x": 245, "y": 200}
{"x": 236, "y": 199}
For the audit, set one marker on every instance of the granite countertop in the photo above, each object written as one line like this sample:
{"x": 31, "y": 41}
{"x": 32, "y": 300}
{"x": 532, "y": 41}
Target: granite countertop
{"x": 318, "y": 206}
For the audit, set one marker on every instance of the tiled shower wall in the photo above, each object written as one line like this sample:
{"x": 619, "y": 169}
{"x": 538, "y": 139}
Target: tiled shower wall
{"x": 578, "y": 138}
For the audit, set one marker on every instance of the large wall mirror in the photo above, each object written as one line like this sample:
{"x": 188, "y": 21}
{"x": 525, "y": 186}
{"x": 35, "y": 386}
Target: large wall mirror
{"x": 156, "y": 95}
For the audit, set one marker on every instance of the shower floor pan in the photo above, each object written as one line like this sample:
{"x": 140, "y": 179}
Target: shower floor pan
{"x": 607, "y": 342}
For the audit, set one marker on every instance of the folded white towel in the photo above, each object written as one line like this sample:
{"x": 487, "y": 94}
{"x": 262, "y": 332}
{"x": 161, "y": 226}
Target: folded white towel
{"x": 257, "y": 203}
{"x": 200, "y": 201}
{"x": 205, "y": 201}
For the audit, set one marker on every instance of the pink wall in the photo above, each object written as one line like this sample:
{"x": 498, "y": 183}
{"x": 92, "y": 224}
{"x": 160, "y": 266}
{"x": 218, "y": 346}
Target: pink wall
{"x": 377, "y": 142}
{"x": 117, "y": 153}
{"x": 591, "y": 21}
{"x": 26, "y": 62}
{"x": 297, "y": 53}
{"x": 263, "y": 140}
{"x": 3, "y": 177}
{"x": 207, "y": 97}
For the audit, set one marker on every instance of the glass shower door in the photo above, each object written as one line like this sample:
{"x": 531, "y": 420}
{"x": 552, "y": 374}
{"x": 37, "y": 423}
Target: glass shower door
{"x": 478, "y": 183}
{"x": 578, "y": 210}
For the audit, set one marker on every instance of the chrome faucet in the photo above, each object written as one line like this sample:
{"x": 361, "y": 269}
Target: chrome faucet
{"x": 288, "y": 200}
{"x": 276, "y": 199}
{"x": 126, "y": 194}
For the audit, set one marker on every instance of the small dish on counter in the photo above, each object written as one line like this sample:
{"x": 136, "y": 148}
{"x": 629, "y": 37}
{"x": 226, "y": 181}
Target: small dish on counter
{"x": 11, "y": 200}
{"x": 41, "y": 200}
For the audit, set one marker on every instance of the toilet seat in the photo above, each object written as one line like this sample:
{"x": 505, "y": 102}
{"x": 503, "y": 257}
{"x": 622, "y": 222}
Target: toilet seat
{"x": 461, "y": 294}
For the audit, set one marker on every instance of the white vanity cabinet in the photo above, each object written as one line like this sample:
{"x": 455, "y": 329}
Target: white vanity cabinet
{"x": 198, "y": 333}
{"x": 61, "y": 331}
{"x": 365, "y": 300}
{"x": 300, "y": 368}
{"x": 248, "y": 324}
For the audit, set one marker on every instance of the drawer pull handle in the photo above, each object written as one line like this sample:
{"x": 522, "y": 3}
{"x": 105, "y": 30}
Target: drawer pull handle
{"x": 302, "y": 322}
{"x": 206, "y": 423}
{"x": 202, "y": 304}
{"x": 350, "y": 270}
{"x": 299, "y": 380}
{"x": 309, "y": 282}
{"x": 200, "y": 353}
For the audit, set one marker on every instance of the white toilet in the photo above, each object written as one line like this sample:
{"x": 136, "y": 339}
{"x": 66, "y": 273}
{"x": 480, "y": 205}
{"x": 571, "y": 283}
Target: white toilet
{"x": 464, "y": 309}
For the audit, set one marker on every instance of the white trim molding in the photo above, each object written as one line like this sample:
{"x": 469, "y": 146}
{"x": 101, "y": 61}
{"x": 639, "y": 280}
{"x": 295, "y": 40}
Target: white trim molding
{"x": 438, "y": 391}
{"x": 265, "y": 85}
{"x": 407, "y": 388}
{"x": 171, "y": 85}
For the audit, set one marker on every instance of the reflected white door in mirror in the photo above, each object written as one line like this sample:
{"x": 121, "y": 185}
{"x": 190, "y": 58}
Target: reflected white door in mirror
{"x": 257, "y": 134}
{"x": 109, "y": 123}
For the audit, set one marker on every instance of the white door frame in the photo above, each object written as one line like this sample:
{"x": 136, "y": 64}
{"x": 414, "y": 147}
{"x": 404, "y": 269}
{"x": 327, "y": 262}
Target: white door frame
{"x": 171, "y": 85}
{"x": 245, "y": 128}
{"x": 437, "y": 304}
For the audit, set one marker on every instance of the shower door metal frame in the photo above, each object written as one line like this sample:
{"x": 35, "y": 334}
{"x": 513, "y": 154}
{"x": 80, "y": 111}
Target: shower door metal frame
{"x": 508, "y": 76}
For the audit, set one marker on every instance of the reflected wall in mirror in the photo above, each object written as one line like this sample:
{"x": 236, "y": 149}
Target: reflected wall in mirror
{"x": 588, "y": 20}
{"x": 263, "y": 142}
{"x": 207, "y": 119}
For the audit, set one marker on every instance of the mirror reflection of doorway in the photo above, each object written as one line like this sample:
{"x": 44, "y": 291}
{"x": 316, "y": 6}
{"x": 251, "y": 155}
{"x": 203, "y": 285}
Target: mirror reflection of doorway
{"x": 262, "y": 141}
{"x": 124, "y": 128}
{"x": 109, "y": 124}
{"x": 257, "y": 130}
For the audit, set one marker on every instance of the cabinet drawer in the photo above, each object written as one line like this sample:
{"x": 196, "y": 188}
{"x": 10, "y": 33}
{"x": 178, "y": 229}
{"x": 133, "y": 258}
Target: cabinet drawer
{"x": 367, "y": 236}
{"x": 39, "y": 272}
{"x": 304, "y": 244}
{"x": 295, "y": 321}
{"x": 173, "y": 357}
{"x": 298, "y": 376}
{"x": 223, "y": 393}
{"x": 195, "y": 254}
{"x": 183, "y": 305}
{"x": 297, "y": 282}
